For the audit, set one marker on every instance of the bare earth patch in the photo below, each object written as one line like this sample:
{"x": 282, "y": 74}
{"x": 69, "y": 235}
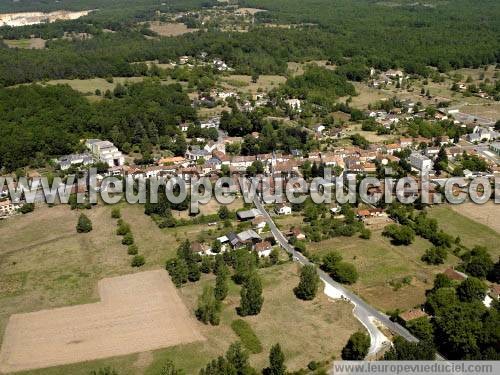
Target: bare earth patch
{"x": 32, "y": 43}
{"x": 137, "y": 313}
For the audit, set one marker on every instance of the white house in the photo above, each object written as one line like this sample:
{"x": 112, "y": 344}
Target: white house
{"x": 283, "y": 209}
{"x": 294, "y": 104}
{"x": 421, "y": 162}
{"x": 106, "y": 152}
{"x": 263, "y": 248}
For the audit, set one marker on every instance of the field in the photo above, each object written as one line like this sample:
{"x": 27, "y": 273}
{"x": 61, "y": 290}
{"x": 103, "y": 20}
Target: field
{"x": 32, "y": 43}
{"x": 473, "y": 223}
{"x": 137, "y": 313}
{"x": 244, "y": 83}
{"x": 170, "y": 29}
{"x": 45, "y": 264}
{"x": 88, "y": 86}
{"x": 390, "y": 276}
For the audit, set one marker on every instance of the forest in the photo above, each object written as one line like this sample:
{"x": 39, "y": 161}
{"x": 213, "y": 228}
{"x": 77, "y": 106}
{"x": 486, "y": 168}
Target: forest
{"x": 446, "y": 35}
{"x": 38, "y": 122}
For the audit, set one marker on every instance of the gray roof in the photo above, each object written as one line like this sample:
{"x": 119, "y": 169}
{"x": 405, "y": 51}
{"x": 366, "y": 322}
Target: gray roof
{"x": 249, "y": 214}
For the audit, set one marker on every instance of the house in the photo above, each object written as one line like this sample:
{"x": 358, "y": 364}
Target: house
{"x": 196, "y": 153}
{"x": 106, "y": 152}
{"x": 7, "y": 207}
{"x": 495, "y": 147}
{"x": 259, "y": 223}
{"x": 248, "y": 236}
{"x": 412, "y": 314}
{"x": 65, "y": 162}
{"x": 297, "y": 233}
{"x": 319, "y": 128}
{"x": 421, "y": 162}
{"x": 263, "y": 248}
{"x": 200, "y": 248}
{"x": 294, "y": 104}
{"x": 248, "y": 214}
{"x": 283, "y": 209}
{"x": 495, "y": 291}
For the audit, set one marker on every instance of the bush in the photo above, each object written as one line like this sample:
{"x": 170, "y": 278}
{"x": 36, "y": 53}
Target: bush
{"x": 309, "y": 283}
{"x": 133, "y": 249}
{"x": 365, "y": 234}
{"x": 84, "y": 224}
{"x": 345, "y": 273}
{"x": 138, "y": 261}
{"x": 115, "y": 213}
{"x": 123, "y": 228}
{"x": 128, "y": 239}
{"x": 435, "y": 255}
{"x": 247, "y": 335}
{"x": 26, "y": 208}
{"x": 400, "y": 234}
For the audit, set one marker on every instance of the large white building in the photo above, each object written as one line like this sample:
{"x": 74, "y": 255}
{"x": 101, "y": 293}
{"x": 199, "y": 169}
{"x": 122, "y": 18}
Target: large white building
{"x": 421, "y": 162}
{"x": 106, "y": 152}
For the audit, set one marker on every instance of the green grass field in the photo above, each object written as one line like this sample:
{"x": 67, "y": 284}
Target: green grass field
{"x": 384, "y": 267}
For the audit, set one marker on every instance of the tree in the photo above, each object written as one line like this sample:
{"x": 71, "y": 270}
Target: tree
{"x": 471, "y": 289}
{"x": 194, "y": 272}
{"x": 238, "y": 358}
{"x": 435, "y": 255}
{"x": 206, "y": 264}
{"x": 477, "y": 262}
{"x": 421, "y": 328}
{"x": 276, "y": 361}
{"x": 27, "y": 208}
{"x": 403, "y": 350}
{"x": 223, "y": 212}
{"x": 138, "y": 261}
{"x": 84, "y": 224}
{"x": 251, "y": 296}
{"x": 178, "y": 270}
{"x": 308, "y": 284}
{"x": 330, "y": 260}
{"x": 345, "y": 273}
{"x": 357, "y": 347}
{"x": 132, "y": 249}
{"x": 208, "y": 307}
{"x": 221, "y": 285}
{"x": 169, "y": 369}
{"x": 274, "y": 256}
{"x": 216, "y": 246}
{"x": 495, "y": 273}
{"x": 400, "y": 234}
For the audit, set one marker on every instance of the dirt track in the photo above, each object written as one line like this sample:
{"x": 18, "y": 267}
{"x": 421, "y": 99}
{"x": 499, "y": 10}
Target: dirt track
{"x": 137, "y": 313}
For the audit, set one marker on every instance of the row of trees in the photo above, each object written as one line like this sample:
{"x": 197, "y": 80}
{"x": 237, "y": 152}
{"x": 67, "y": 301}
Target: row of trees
{"x": 128, "y": 240}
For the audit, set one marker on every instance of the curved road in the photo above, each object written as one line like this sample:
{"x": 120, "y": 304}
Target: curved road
{"x": 362, "y": 310}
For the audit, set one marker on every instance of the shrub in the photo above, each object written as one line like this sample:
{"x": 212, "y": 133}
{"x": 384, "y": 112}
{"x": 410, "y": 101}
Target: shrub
{"x": 115, "y": 213}
{"x": 247, "y": 335}
{"x": 138, "y": 261}
{"x": 84, "y": 224}
{"x": 26, "y": 208}
{"x": 123, "y": 228}
{"x": 133, "y": 249}
{"x": 128, "y": 239}
{"x": 357, "y": 347}
{"x": 435, "y": 255}
{"x": 345, "y": 273}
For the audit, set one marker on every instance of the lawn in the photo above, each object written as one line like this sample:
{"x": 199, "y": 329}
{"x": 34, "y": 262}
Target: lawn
{"x": 384, "y": 267}
{"x": 454, "y": 221}
{"x": 244, "y": 83}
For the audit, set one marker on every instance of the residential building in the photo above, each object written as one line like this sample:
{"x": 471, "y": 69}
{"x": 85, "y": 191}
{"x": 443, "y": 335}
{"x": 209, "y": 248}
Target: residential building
{"x": 106, "y": 152}
{"x": 421, "y": 162}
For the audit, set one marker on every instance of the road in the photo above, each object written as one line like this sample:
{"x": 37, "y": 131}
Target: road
{"x": 364, "y": 312}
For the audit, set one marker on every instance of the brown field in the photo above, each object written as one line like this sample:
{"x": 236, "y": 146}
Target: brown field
{"x": 486, "y": 214}
{"x": 250, "y": 11}
{"x": 138, "y": 312}
{"x": 370, "y": 136}
{"x": 170, "y": 29}
{"x": 32, "y": 43}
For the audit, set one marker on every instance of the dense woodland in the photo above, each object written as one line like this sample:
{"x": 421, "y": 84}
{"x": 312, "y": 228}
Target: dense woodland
{"x": 38, "y": 122}
{"x": 447, "y": 35}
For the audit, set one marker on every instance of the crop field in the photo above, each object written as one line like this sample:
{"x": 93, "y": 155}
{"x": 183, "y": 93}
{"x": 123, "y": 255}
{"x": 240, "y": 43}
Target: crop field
{"x": 169, "y": 29}
{"x": 137, "y": 313}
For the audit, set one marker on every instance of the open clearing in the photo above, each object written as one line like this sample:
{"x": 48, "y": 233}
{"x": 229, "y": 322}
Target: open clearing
{"x": 32, "y": 43}
{"x": 384, "y": 267}
{"x": 244, "y": 83}
{"x": 472, "y": 222}
{"x": 170, "y": 29}
{"x": 138, "y": 312}
{"x": 486, "y": 214}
